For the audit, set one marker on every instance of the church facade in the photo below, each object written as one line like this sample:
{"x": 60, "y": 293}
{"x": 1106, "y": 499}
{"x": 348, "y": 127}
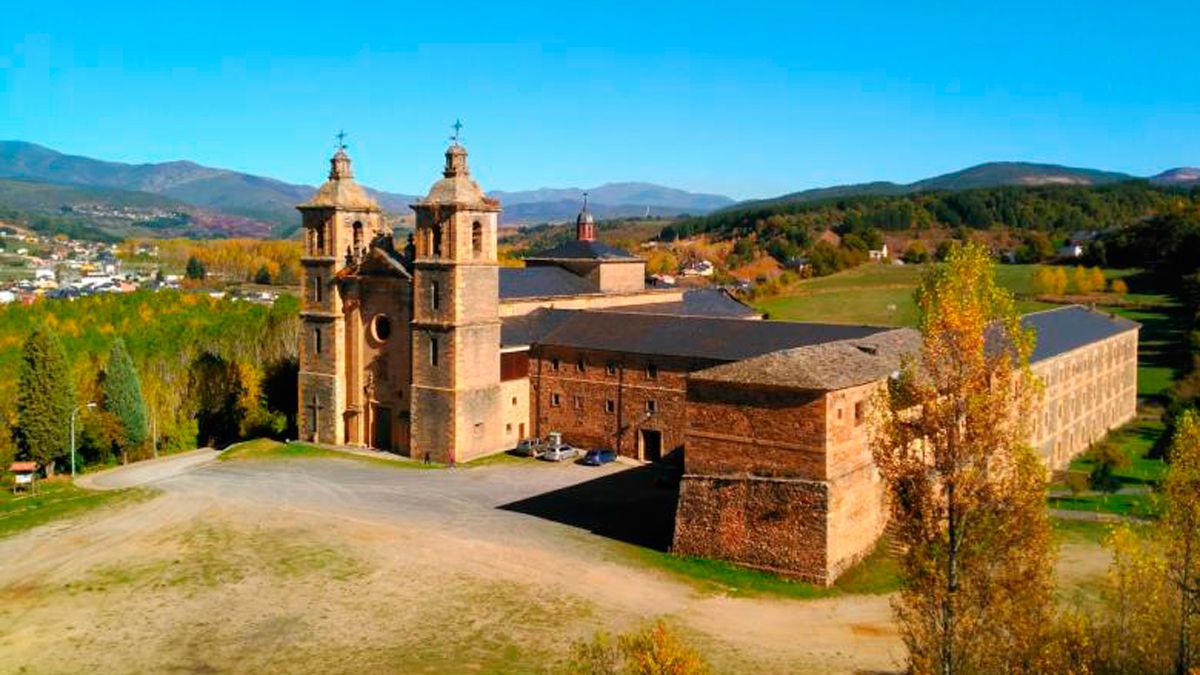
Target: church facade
{"x": 434, "y": 351}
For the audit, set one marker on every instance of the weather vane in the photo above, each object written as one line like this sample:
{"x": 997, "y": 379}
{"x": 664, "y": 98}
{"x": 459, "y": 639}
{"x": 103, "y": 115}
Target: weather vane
{"x": 457, "y": 126}
{"x": 341, "y": 136}
{"x": 585, "y": 201}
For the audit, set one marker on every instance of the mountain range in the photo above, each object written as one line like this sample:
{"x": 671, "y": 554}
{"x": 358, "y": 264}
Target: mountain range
{"x": 265, "y": 205}
{"x": 990, "y": 174}
{"x": 182, "y": 198}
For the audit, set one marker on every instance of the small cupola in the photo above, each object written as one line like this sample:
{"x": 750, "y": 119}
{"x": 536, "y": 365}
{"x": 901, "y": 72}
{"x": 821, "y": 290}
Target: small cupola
{"x": 585, "y": 225}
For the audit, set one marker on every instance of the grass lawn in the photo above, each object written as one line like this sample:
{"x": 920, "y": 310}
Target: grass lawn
{"x": 877, "y": 294}
{"x": 265, "y": 448}
{"x": 55, "y": 499}
{"x": 878, "y": 573}
{"x": 1080, "y": 531}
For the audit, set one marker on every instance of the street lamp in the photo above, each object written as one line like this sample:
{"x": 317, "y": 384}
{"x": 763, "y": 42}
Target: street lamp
{"x": 73, "y": 413}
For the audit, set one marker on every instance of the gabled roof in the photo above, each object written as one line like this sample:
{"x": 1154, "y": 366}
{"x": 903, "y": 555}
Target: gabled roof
{"x": 584, "y": 250}
{"x": 1064, "y": 329}
{"x": 690, "y": 336}
{"x": 703, "y": 302}
{"x": 537, "y": 282}
{"x": 378, "y": 260}
{"x": 824, "y": 367}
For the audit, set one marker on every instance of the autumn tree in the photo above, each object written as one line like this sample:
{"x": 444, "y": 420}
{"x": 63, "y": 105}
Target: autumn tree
{"x": 1181, "y": 530}
{"x": 122, "y": 397}
{"x": 1118, "y": 286}
{"x": 966, "y": 493}
{"x": 44, "y": 399}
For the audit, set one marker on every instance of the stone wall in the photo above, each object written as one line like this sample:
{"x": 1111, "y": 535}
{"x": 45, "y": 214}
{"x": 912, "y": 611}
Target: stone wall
{"x": 1087, "y": 393}
{"x": 522, "y": 306}
{"x": 604, "y": 400}
{"x": 778, "y": 479}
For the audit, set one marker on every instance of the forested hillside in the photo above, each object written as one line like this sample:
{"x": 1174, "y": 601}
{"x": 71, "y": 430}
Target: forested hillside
{"x": 210, "y": 370}
{"x": 789, "y": 228}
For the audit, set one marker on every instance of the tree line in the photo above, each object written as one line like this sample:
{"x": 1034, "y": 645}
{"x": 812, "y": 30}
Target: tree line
{"x": 165, "y": 371}
{"x": 273, "y": 261}
{"x": 787, "y": 229}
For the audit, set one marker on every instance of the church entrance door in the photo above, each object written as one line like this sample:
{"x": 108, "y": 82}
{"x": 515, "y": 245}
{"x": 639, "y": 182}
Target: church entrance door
{"x": 383, "y": 429}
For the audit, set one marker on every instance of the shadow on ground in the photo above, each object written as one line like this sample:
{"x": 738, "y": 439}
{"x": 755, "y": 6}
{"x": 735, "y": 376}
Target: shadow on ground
{"x": 636, "y": 506}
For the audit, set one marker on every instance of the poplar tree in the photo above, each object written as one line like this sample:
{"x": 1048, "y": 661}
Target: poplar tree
{"x": 965, "y": 492}
{"x": 1181, "y": 529}
{"x": 44, "y": 399}
{"x": 122, "y": 396}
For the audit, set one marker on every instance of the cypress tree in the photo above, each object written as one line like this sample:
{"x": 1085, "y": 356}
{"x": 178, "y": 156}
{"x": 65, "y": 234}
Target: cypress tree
{"x": 195, "y": 268}
{"x": 122, "y": 395}
{"x": 44, "y": 399}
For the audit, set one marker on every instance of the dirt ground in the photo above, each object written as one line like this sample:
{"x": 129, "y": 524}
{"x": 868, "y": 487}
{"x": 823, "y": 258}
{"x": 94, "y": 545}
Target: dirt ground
{"x": 321, "y": 565}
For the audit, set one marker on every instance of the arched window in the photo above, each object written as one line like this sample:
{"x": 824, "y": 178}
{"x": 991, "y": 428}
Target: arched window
{"x": 437, "y": 241}
{"x": 358, "y": 236}
{"x": 321, "y": 239}
{"x": 317, "y": 340}
{"x": 477, "y": 239}
{"x": 317, "y": 289}
{"x": 433, "y": 350}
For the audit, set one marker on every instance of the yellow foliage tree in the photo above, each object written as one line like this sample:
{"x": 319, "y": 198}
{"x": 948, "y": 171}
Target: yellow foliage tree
{"x": 966, "y": 493}
{"x": 1118, "y": 286}
{"x": 1181, "y": 528}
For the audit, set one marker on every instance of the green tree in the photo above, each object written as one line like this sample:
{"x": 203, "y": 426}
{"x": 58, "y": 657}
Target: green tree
{"x": 1108, "y": 459}
{"x": 916, "y": 253}
{"x": 262, "y": 276}
{"x": 122, "y": 397}
{"x": 44, "y": 399}
{"x": 195, "y": 268}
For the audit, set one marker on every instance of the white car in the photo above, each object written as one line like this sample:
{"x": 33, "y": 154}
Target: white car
{"x": 557, "y": 453}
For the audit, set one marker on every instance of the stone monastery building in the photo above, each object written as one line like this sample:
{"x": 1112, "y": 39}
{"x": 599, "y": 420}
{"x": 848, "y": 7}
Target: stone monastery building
{"x": 435, "y": 351}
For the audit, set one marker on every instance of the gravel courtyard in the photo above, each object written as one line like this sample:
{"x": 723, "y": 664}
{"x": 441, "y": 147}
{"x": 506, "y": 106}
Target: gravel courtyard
{"x": 337, "y": 565}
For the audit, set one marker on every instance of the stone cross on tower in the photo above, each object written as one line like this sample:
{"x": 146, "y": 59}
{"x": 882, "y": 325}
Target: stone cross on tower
{"x": 341, "y": 136}
{"x": 457, "y": 126}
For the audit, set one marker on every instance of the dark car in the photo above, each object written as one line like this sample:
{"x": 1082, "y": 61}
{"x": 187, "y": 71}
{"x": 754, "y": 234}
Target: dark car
{"x": 598, "y": 457}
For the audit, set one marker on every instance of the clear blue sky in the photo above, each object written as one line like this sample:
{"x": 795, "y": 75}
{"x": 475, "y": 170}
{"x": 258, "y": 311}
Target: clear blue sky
{"x": 741, "y": 98}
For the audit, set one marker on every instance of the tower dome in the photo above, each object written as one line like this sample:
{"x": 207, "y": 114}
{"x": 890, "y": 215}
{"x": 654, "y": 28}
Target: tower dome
{"x": 585, "y": 224}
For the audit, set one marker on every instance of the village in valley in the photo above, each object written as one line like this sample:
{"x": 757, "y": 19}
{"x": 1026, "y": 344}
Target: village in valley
{"x": 866, "y": 395}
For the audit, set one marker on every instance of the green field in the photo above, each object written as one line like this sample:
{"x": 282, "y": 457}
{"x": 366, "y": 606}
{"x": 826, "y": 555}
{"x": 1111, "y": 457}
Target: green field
{"x": 55, "y": 499}
{"x": 877, "y": 294}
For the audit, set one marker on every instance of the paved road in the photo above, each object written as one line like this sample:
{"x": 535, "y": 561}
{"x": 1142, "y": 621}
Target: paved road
{"x": 149, "y": 471}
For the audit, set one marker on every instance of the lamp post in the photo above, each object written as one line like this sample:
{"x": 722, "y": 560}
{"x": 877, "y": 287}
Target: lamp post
{"x": 73, "y": 413}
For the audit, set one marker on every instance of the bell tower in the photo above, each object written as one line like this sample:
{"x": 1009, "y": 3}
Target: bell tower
{"x": 339, "y": 223}
{"x": 456, "y": 399}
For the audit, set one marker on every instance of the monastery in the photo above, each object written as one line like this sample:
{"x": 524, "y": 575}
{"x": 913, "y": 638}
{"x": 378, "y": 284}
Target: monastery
{"x": 434, "y": 351}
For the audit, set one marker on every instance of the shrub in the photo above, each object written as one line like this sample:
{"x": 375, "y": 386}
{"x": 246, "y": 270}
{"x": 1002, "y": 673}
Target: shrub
{"x": 653, "y": 650}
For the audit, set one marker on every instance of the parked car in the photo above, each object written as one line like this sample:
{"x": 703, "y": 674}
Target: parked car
{"x": 557, "y": 453}
{"x": 529, "y": 447}
{"x": 599, "y": 456}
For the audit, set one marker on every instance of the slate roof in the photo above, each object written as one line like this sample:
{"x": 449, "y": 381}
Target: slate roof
{"x": 709, "y": 302}
{"x": 1067, "y": 328}
{"x": 823, "y": 367}
{"x": 717, "y": 339}
{"x": 535, "y": 282}
{"x": 584, "y": 250}
{"x": 528, "y": 328}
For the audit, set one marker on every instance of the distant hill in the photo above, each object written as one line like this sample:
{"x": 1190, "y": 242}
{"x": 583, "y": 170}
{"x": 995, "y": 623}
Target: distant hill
{"x": 1185, "y": 176}
{"x": 991, "y": 174}
{"x": 611, "y": 200}
{"x": 264, "y": 204}
{"x": 220, "y": 190}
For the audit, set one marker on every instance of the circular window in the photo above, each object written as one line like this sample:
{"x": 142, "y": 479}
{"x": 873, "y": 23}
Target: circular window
{"x": 381, "y": 327}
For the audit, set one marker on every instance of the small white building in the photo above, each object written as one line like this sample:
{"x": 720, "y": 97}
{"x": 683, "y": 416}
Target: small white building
{"x": 879, "y": 255}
